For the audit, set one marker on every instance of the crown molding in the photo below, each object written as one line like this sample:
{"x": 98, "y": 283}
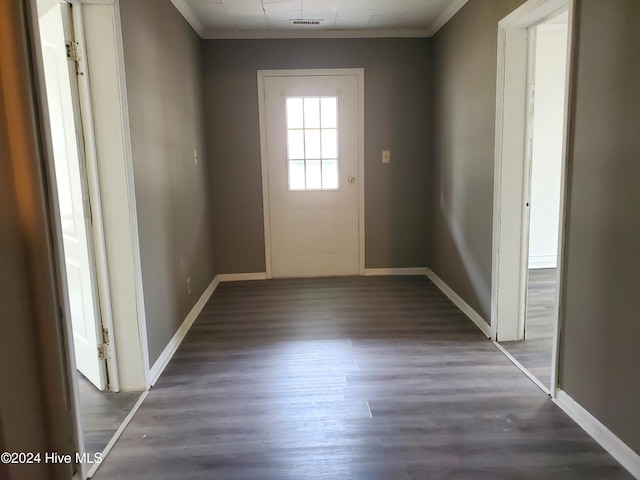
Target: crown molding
{"x": 279, "y": 34}
{"x": 445, "y": 16}
{"x": 185, "y": 10}
{"x": 211, "y": 34}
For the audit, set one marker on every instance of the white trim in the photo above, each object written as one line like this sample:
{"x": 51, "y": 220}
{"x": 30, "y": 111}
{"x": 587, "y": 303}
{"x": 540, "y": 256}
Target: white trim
{"x": 527, "y": 164}
{"x": 497, "y": 186}
{"x": 241, "y": 277}
{"x": 128, "y": 157}
{"x": 103, "y": 47}
{"x": 564, "y": 201}
{"x": 374, "y": 272}
{"x": 93, "y": 183}
{"x": 168, "y": 352}
{"x": 524, "y": 370}
{"x": 361, "y": 176}
{"x": 543, "y": 261}
{"x": 262, "y": 120}
{"x": 453, "y": 8}
{"x": 507, "y": 296}
{"x": 118, "y": 433}
{"x": 293, "y": 34}
{"x": 510, "y": 233}
{"x": 459, "y": 302}
{"x": 262, "y": 74}
{"x": 212, "y": 34}
{"x": 506, "y": 263}
{"x": 533, "y": 12}
{"x": 624, "y": 454}
{"x": 192, "y": 19}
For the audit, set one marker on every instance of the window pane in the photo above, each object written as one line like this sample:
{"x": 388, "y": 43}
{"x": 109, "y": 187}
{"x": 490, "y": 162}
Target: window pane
{"x": 294, "y": 113}
{"x": 296, "y": 144}
{"x": 329, "y": 112}
{"x": 330, "y": 174}
{"x": 311, "y": 112}
{"x": 313, "y": 174}
{"x": 330, "y": 143}
{"x": 312, "y": 143}
{"x": 296, "y": 175}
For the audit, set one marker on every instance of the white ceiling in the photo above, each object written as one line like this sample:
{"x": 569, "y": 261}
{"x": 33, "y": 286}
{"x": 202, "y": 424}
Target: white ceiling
{"x": 339, "y": 18}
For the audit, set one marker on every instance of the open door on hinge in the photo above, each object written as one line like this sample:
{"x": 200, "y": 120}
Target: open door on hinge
{"x": 59, "y": 52}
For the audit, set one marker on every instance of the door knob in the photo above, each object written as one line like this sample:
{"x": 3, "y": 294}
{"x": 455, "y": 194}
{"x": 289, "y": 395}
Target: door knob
{"x": 351, "y": 179}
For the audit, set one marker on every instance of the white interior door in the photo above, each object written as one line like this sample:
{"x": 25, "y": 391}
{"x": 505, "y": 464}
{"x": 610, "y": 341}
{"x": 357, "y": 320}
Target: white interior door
{"x": 56, "y": 32}
{"x": 311, "y": 131}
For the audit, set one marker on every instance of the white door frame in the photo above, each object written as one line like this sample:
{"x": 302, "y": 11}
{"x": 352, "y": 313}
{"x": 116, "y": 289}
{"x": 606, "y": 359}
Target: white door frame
{"x": 511, "y": 172}
{"x": 106, "y": 75}
{"x": 262, "y": 74}
{"x": 124, "y": 336}
{"x": 99, "y": 255}
{"x": 103, "y": 104}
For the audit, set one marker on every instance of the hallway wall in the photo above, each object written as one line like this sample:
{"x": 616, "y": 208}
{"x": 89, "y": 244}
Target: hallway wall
{"x": 164, "y": 87}
{"x": 398, "y": 81}
{"x": 601, "y": 328}
{"x": 461, "y": 199}
{"x": 600, "y": 331}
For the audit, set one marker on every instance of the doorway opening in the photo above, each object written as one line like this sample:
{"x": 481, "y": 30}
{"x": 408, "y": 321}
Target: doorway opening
{"x": 101, "y": 407}
{"x": 529, "y": 185}
{"x": 542, "y": 189}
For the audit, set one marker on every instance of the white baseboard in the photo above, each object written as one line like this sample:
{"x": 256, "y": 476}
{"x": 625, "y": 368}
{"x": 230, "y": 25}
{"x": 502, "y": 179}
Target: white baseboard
{"x": 543, "y": 261}
{"x": 241, "y": 277}
{"x": 459, "y": 302}
{"x": 176, "y": 340}
{"x": 628, "y": 458}
{"x": 372, "y": 272}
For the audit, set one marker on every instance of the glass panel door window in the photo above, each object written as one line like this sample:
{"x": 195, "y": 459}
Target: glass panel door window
{"x": 312, "y": 143}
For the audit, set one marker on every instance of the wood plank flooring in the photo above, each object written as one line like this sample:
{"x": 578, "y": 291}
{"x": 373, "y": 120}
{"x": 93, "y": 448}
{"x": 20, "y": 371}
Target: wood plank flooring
{"x": 534, "y": 353}
{"x": 361, "y": 378}
{"x": 101, "y": 413}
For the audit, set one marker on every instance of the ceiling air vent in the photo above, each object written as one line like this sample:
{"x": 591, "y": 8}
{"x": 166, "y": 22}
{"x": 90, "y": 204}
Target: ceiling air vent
{"x": 306, "y": 21}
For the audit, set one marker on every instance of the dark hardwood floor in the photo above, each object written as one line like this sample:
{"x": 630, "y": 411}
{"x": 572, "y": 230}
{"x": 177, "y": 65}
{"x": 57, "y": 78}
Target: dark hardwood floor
{"x": 347, "y": 378}
{"x": 535, "y": 351}
{"x": 101, "y": 413}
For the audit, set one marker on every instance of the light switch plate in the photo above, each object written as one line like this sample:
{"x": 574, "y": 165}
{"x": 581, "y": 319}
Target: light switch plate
{"x": 386, "y": 156}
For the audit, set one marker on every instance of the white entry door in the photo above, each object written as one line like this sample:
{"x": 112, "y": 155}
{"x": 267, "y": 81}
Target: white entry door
{"x": 66, "y": 134}
{"x": 312, "y": 141}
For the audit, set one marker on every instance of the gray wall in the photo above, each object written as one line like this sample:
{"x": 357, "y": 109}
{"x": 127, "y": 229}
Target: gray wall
{"x": 462, "y": 203}
{"x": 601, "y": 329}
{"x": 397, "y": 117}
{"x": 163, "y": 71}
{"x": 600, "y": 351}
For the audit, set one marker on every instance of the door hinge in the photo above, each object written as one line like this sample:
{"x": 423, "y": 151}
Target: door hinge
{"x": 73, "y": 51}
{"x": 102, "y": 351}
{"x": 74, "y": 54}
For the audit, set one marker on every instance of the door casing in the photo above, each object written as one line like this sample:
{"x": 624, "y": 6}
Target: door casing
{"x": 262, "y": 74}
{"x": 511, "y": 173}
